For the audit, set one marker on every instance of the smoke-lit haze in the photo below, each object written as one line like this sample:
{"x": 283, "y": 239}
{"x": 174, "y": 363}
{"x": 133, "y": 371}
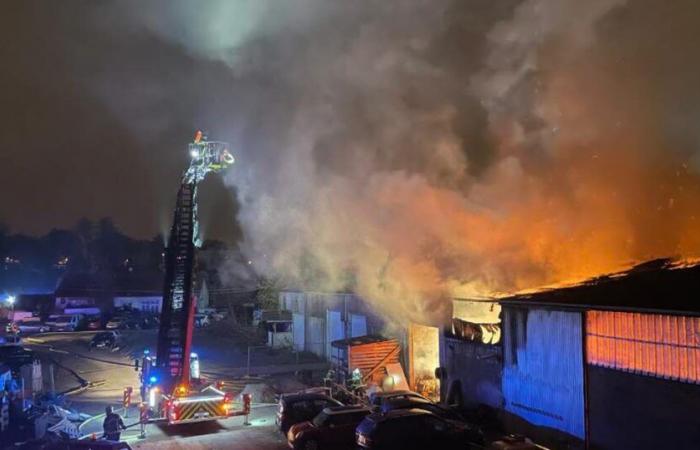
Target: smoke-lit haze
{"x": 436, "y": 148}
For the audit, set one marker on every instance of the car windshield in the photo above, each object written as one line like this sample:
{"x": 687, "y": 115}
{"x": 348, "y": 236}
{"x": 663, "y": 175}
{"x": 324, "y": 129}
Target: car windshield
{"x": 320, "y": 419}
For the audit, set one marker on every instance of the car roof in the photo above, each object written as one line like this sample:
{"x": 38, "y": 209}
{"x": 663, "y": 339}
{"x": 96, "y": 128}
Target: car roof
{"x": 335, "y": 410}
{"x": 290, "y": 398}
{"x": 399, "y": 413}
{"x": 408, "y": 399}
{"x": 402, "y": 393}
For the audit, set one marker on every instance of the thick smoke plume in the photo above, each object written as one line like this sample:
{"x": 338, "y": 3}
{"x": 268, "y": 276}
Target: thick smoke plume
{"x": 423, "y": 149}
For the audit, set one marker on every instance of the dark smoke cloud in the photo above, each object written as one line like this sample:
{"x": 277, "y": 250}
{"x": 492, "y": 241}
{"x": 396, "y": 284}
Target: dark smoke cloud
{"x": 432, "y": 147}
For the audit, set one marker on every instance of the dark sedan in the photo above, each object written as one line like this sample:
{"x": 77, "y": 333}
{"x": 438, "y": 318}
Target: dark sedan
{"x": 444, "y": 412}
{"x": 333, "y": 428}
{"x": 295, "y": 408}
{"x": 407, "y": 429}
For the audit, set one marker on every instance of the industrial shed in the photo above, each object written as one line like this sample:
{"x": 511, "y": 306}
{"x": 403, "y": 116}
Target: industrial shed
{"x": 611, "y": 363}
{"x": 319, "y": 318}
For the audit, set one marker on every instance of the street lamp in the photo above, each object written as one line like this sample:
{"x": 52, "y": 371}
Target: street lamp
{"x": 11, "y": 300}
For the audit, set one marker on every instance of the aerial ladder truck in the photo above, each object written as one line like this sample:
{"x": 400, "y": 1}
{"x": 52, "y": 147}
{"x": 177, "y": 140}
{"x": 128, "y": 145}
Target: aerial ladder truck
{"x": 171, "y": 382}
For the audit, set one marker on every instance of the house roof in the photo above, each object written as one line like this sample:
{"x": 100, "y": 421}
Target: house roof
{"x": 661, "y": 285}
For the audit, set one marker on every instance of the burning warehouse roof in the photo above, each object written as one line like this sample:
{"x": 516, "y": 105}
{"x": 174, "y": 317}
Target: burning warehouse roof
{"x": 657, "y": 285}
{"x": 660, "y": 285}
{"x": 572, "y": 361}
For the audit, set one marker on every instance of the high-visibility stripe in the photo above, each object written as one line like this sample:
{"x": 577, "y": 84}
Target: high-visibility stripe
{"x": 187, "y": 411}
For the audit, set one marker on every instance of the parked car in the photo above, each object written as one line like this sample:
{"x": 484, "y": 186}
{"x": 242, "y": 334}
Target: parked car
{"x": 295, "y": 408}
{"x": 514, "y": 442}
{"x": 32, "y": 325}
{"x": 149, "y": 322}
{"x": 414, "y": 429}
{"x": 391, "y": 403}
{"x": 201, "y": 320}
{"x": 9, "y": 326}
{"x": 332, "y": 428}
{"x": 132, "y": 323}
{"x": 377, "y": 399}
{"x": 105, "y": 339}
{"x": 116, "y": 322}
{"x": 64, "y": 322}
{"x": 214, "y": 315}
{"x": 15, "y": 355}
{"x": 93, "y": 323}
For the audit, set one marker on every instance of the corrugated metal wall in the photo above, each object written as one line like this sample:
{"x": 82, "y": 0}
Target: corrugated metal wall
{"x": 316, "y": 336}
{"x": 543, "y": 368}
{"x": 651, "y": 344}
{"x": 298, "y": 331}
{"x": 358, "y": 325}
{"x": 335, "y": 329}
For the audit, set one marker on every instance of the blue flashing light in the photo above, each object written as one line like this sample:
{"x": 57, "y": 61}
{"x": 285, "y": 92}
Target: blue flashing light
{"x": 146, "y": 351}
{"x": 153, "y": 379}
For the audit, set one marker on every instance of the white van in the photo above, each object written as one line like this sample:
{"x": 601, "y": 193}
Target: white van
{"x": 64, "y": 322}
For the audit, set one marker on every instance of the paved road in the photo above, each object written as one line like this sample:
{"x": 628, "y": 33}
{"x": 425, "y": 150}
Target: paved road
{"x": 114, "y": 370}
{"x": 223, "y": 434}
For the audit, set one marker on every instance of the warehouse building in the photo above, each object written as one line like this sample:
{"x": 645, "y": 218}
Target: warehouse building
{"x": 319, "y": 318}
{"x": 611, "y": 363}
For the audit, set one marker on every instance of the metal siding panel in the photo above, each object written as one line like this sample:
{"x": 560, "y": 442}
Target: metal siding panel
{"x": 664, "y": 346}
{"x": 358, "y": 325}
{"x": 639, "y": 346}
{"x": 675, "y": 351}
{"x": 335, "y": 329}
{"x": 696, "y": 345}
{"x": 692, "y": 374}
{"x": 316, "y": 336}
{"x": 545, "y": 384}
{"x": 298, "y": 331}
{"x": 683, "y": 357}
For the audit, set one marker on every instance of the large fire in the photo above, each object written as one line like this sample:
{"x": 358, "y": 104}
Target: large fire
{"x": 549, "y": 154}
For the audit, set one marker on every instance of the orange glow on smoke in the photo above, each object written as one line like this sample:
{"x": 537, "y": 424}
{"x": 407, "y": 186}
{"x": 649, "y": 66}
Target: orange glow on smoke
{"x": 603, "y": 198}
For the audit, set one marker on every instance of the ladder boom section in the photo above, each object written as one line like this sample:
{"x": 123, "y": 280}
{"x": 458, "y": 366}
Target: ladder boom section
{"x": 177, "y": 315}
{"x": 173, "y": 341}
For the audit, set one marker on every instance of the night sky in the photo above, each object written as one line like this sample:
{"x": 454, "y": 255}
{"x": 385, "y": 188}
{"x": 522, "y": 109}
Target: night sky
{"x": 67, "y": 153}
{"x": 431, "y": 147}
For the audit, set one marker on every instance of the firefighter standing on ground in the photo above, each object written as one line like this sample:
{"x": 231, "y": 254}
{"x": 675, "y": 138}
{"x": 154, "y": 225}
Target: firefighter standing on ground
{"x": 112, "y": 425}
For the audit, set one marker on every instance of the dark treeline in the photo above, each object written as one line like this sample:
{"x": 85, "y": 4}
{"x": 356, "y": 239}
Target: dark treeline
{"x": 35, "y": 264}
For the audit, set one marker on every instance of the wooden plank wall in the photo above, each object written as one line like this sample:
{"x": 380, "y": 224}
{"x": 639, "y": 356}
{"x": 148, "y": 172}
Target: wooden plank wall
{"x": 366, "y": 356}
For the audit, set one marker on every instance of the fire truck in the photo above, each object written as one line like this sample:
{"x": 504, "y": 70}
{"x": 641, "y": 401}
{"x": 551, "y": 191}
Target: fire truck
{"x": 171, "y": 380}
